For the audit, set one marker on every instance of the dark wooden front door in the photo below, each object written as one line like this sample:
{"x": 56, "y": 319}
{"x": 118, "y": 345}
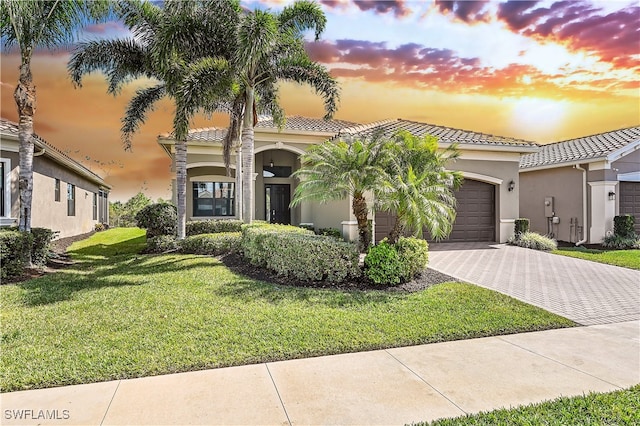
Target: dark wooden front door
{"x": 277, "y": 198}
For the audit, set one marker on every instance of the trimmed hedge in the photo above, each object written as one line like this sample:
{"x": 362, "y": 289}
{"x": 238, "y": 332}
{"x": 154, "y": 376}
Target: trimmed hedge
{"x": 161, "y": 244}
{"x": 414, "y": 256}
{"x": 15, "y": 246}
{"x": 211, "y": 244}
{"x": 298, "y": 253}
{"x": 394, "y": 264}
{"x": 535, "y": 241}
{"x": 382, "y": 264}
{"x": 623, "y": 226}
{"x": 198, "y": 227}
{"x": 521, "y": 227}
{"x": 158, "y": 219}
{"x": 14, "y": 250}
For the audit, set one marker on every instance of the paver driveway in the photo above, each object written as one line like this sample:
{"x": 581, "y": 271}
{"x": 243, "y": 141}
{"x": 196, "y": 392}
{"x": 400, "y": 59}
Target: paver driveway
{"x": 586, "y": 292}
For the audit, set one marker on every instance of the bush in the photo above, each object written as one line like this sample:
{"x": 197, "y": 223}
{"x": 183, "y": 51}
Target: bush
{"x": 414, "y": 256}
{"x": 623, "y": 226}
{"x": 161, "y": 244}
{"x": 99, "y": 227}
{"x": 330, "y": 232}
{"x": 621, "y": 243}
{"x": 41, "y": 247}
{"x": 521, "y": 227}
{"x": 14, "y": 250}
{"x": 382, "y": 264}
{"x": 212, "y": 244}
{"x": 158, "y": 219}
{"x": 198, "y": 227}
{"x": 307, "y": 227}
{"x": 298, "y": 253}
{"x": 534, "y": 241}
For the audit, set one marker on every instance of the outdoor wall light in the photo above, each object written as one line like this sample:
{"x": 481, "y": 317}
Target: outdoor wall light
{"x": 271, "y": 163}
{"x": 612, "y": 195}
{"x": 512, "y": 186}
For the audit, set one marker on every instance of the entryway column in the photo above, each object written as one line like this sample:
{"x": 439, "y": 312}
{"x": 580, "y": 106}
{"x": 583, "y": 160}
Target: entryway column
{"x": 603, "y": 209}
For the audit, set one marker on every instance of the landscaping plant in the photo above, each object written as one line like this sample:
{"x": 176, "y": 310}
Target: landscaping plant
{"x": 533, "y": 240}
{"x": 158, "y": 219}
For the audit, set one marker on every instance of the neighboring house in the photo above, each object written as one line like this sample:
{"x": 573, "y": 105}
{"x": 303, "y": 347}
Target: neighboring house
{"x": 487, "y": 202}
{"x": 573, "y": 189}
{"x": 67, "y": 197}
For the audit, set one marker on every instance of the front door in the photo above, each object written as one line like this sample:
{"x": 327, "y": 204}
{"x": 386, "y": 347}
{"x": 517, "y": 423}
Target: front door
{"x": 277, "y": 198}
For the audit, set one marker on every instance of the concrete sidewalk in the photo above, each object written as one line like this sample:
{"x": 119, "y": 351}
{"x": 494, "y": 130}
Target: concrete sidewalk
{"x": 394, "y": 386}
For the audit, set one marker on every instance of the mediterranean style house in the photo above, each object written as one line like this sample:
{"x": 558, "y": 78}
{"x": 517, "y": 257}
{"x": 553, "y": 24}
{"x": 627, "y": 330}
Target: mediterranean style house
{"x": 487, "y": 203}
{"x": 573, "y": 189}
{"x": 67, "y": 197}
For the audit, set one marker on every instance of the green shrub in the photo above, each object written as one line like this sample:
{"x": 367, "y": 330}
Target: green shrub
{"x": 623, "y": 226}
{"x": 41, "y": 247}
{"x": 99, "y": 227}
{"x": 382, "y": 264}
{"x": 198, "y": 227}
{"x": 254, "y": 235}
{"x": 211, "y": 244}
{"x": 330, "y": 232}
{"x": 161, "y": 244}
{"x": 158, "y": 219}
{"x": 621, "y": 243}
{"x": 14, "y": 251}
{"x": 414, "y": 256}
{"x": 521, "y": 227}
{"x": 535, "y": 241}
{"x": 298, "y": 253}
{"x": 307, "y": 227}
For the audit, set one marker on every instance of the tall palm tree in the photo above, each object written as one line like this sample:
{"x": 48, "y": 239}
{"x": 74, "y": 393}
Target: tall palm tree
{"x": 269, "y": 49}
{"x": 184, "y": 49}
{"x": 417, "y": 187}
{"x": 337, "y": 170}
{"x": 30, "y": 25}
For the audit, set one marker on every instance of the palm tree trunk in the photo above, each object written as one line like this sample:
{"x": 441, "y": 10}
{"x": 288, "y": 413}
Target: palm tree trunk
{"x": 360, "y": 211}
{"x": 396, "y": 231}
{"x": 181, "y": 183}
{"x": 25, "y": 97}
{"x": 247, "y": 158}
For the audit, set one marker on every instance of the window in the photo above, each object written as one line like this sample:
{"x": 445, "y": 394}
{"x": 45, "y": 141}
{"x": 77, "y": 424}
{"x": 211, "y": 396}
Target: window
{"x": 57, "y": 190}
{"x": 103, "y": 207}
{"x": 95, "y": 206}
{"x": 213, "y": 199}
{"x": 71, "y": 200}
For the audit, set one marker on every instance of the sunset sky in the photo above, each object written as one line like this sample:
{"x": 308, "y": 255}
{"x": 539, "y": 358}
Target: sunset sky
{"x": 537, "y": 70}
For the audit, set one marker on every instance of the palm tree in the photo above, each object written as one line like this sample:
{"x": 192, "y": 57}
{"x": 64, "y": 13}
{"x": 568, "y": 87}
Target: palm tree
{"x": 270, "y": 48}
{"x": 183, "y": 48}
{"x": 337, "y": 170}
{"x": 29, "y": 25}
{"x": 417, "y": 187}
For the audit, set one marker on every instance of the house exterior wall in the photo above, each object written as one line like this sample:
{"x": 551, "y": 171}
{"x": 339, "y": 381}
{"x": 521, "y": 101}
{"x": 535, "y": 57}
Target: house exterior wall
{"x": 45, "y": 211}
{"x": 564, "y": 184}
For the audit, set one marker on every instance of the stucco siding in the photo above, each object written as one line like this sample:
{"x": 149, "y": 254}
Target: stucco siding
{"x": 564, "y": 184}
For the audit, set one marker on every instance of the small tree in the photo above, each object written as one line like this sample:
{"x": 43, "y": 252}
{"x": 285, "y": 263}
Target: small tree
{"x": 417, "y": 187}
{"x": 335, "y": 171}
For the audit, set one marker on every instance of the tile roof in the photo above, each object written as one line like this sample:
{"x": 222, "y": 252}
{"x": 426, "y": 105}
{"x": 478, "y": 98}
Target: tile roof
{"x": 8, "y": 127}
{"x": 584, "y": 148}
{"x": 444, "y": 134}
{"x": 296, "y": 123}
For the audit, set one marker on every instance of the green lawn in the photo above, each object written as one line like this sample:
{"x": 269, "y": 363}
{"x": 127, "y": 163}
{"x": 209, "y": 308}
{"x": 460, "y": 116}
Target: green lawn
{"x": 116, "y": 314}
{"x": 625, "y": 258}
{"x": 612, "y": 408}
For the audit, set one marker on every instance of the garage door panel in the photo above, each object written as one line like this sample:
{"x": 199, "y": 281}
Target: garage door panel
{"x": 630, "y": 201}
{"x": 475, "y": 215}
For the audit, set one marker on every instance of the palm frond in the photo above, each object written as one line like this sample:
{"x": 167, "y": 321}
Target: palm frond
{"x": 301, "y": 16}
{"x": 120, "y": 60}
{"x": 137, "y": 110}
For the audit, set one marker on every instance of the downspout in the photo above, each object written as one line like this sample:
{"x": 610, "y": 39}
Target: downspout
{"x": 38, "y": 154}
{"x": 584, "y": 205}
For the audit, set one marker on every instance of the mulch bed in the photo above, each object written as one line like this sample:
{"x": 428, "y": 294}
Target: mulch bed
{"x": 240, "y": 265}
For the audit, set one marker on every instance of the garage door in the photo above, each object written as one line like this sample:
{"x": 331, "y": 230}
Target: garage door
{"x": 630, "y": 201}
{"x": 475, "y": 220}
